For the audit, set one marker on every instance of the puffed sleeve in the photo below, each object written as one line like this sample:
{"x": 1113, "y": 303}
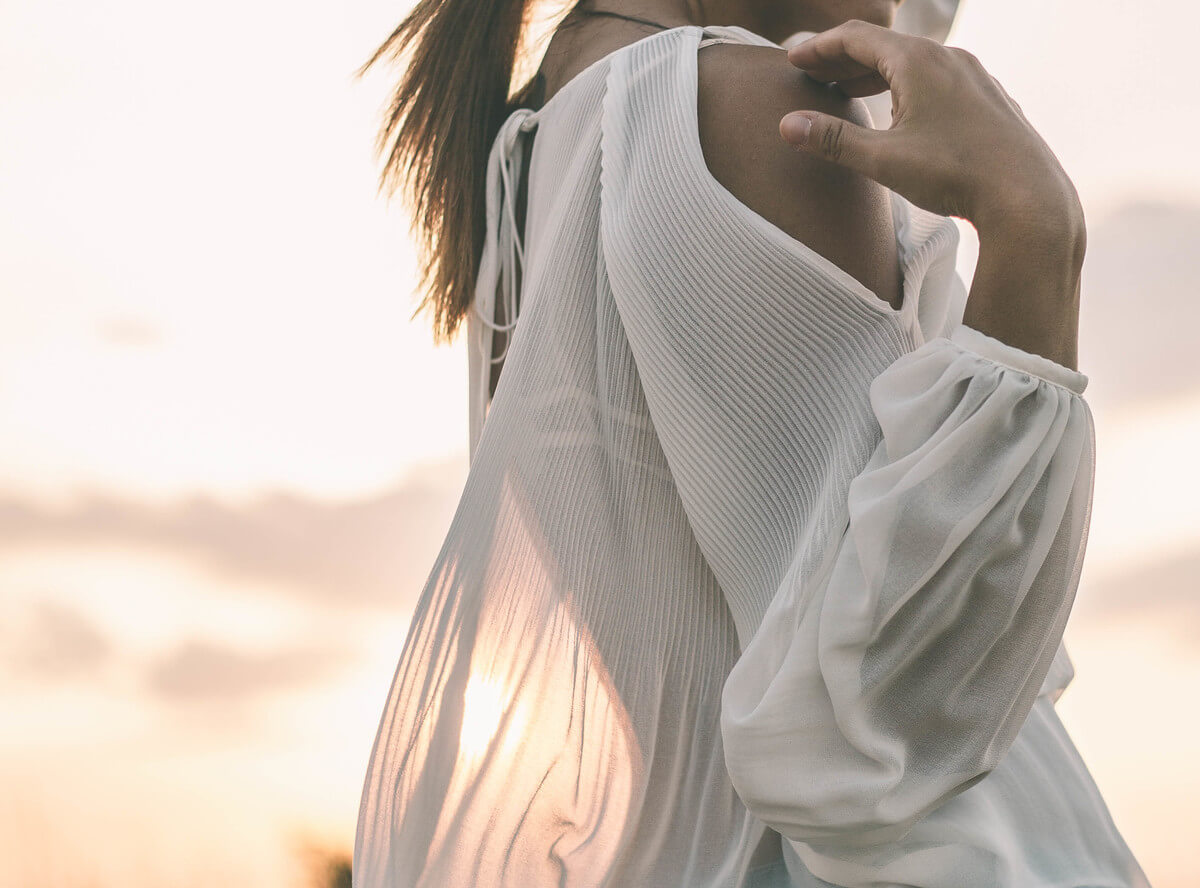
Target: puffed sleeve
{"x": 901, "y": 677}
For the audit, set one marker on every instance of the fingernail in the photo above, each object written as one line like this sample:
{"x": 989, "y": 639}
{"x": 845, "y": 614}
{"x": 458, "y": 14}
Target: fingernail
{"x": 795, "y": 128}
{"x": 795, "y": 41}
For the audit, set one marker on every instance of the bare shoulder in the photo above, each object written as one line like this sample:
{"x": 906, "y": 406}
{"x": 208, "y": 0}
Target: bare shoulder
{"x": 743, "y": 91}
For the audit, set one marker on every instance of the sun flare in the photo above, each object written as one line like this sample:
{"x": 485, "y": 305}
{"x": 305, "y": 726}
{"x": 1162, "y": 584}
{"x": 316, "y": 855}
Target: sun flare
{"x": 485, "y": 702}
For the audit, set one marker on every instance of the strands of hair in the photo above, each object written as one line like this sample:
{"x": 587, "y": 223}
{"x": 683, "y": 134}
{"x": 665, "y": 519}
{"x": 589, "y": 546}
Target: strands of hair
{"x": 457, "y": 60}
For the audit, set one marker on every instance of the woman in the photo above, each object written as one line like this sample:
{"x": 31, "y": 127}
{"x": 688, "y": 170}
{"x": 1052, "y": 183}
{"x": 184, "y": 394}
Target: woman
{"x": 760, "y": 573}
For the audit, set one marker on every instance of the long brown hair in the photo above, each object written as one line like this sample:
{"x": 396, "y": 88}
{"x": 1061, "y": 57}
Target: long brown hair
{"x": 458, "y": 59}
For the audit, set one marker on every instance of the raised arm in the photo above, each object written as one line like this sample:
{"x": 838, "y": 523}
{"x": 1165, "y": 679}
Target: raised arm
{"x": 958, "y": 145}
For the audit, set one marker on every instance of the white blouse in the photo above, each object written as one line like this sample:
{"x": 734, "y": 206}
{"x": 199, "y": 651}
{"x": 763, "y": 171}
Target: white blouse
{"x": 742, "y": 547}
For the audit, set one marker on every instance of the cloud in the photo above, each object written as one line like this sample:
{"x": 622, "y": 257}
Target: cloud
{"x": 372, "y": 552}
{"x": 128, "y": 332}
{"x": 57, "y": 642}
{"x": 206, "y": 670}
{"x": 1137, "y": 338}
{"x": 53, "y": 642}
{"x": 1166, "y": 592}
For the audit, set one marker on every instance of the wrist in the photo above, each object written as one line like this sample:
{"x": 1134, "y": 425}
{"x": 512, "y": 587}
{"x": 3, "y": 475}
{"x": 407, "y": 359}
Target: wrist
{"x": 1048, "y": 224}
{"x": 1056, "y": 251}
{"x": 1026, "y": 288}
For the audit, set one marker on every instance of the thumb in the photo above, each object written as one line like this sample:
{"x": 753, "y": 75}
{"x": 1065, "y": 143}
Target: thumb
{"x": 836, "y": 140}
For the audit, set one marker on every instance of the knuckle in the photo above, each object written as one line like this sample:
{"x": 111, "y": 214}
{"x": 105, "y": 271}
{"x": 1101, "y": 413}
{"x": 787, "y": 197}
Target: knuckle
{"x": 927, "y": 50}
{"x": 920, "y": 57}
{"x": 966, "y": 57}
{"x": 939, "y": 64}
{"x": 832, "y": 139}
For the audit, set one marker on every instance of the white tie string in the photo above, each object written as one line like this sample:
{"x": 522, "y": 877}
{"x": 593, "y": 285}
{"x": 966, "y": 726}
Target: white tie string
{"x": 503, "y": 238}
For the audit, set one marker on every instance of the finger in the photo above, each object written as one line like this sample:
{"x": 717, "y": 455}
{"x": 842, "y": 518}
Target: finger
{"x": 866, "y": 85}
{"x": 852, "y": 49}
{"x": 797, "y": 38}
{"x": 836, "y": 140}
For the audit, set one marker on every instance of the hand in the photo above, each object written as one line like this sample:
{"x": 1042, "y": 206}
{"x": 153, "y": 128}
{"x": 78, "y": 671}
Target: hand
{"x": 958, "y": 145}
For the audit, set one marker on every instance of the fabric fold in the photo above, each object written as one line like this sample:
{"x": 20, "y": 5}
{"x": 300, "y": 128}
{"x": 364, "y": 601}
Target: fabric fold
{"x": 901, "y": 672}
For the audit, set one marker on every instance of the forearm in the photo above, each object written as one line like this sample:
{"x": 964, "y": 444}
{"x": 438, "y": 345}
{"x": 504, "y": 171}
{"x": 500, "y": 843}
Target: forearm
{"x": 1026, "y": 288}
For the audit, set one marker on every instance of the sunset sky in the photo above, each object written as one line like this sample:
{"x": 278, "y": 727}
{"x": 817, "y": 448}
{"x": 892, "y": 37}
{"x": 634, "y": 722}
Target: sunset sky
{"x": 228, "y": 456}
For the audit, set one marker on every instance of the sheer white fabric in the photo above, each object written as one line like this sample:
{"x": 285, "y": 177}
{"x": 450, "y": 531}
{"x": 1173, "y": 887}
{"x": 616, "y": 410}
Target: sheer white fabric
{"x": 742, "y": 547}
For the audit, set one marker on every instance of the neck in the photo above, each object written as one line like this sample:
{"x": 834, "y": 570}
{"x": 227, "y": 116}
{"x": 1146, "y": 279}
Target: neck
{"x": 774, "y": 19}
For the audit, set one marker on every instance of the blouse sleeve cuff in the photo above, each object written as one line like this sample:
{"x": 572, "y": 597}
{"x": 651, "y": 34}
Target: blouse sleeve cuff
{"x": 972, "y": 340}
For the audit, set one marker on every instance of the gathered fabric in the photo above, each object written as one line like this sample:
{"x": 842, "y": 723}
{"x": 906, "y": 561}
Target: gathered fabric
{"x": 742, "y": 547}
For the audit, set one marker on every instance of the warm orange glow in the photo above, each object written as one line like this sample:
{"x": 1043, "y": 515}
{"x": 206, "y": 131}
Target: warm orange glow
{"x": 486, "y": 702}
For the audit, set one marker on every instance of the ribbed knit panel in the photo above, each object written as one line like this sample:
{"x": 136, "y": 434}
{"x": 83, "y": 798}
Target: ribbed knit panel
{"x": 725, "y": 504}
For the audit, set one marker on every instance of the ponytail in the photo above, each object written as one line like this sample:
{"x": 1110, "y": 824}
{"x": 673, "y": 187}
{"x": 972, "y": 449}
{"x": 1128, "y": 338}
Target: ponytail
{"x": 458, "y": 59}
